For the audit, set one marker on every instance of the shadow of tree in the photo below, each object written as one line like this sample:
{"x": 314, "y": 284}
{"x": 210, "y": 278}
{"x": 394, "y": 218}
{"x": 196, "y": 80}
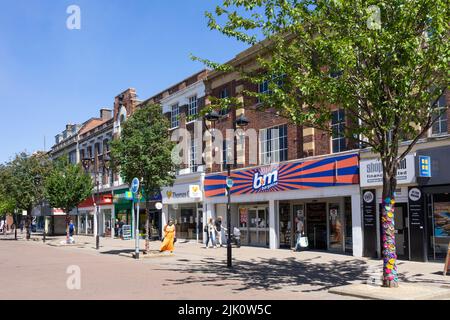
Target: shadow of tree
{"x": 272, "y": 274}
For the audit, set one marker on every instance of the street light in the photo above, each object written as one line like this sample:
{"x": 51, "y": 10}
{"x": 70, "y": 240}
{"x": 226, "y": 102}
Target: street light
{"x": 242, "y": 122}
{"x": 106, "y": 163}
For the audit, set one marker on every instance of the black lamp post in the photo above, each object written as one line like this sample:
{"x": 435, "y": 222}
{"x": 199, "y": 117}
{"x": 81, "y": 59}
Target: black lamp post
{"x": 241, "y": 122}
{"x": 87, "y": 163}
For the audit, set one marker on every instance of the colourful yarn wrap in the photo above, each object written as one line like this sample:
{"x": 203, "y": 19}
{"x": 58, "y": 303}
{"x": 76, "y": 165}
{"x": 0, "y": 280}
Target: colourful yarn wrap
{"x": 389, "y": 252}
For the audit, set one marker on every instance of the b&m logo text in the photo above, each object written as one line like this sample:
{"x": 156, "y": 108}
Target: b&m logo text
{"x": 263, "y": 181}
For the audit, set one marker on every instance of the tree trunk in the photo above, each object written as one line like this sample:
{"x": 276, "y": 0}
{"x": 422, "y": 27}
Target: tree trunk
{"x": 28, "y": 225}
{"x": 390, "y": 273}
{"x": 67, "y": 227}
{"x": 147, "y": 228}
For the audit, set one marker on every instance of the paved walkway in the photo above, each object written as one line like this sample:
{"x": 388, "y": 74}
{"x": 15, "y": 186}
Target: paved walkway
{"x": 196, "y": 273}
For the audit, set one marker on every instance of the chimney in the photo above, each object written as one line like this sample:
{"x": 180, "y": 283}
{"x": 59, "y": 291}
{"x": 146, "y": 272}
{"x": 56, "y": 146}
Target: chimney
{"x": 105, "y": 114}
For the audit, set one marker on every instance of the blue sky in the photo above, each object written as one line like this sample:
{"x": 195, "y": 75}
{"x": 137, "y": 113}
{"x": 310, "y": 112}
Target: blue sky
{"x": 50, "y": 75}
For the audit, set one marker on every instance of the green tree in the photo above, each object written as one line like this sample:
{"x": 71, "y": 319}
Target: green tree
{"x": 66, "y": 186}
{"x": 144, "y": 152}
{"x": 26, "y": 182}
{"x": 384, "y": 62}
{"x": 6, "y": 202}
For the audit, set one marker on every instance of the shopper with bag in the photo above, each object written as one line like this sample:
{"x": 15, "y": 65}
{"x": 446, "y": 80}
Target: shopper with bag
{"x": 302, "y": 240}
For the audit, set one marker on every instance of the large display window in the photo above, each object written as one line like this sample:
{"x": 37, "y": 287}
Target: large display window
{"x": 441, "y": 224}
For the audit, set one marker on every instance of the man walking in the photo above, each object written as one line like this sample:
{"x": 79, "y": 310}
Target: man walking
{"x": 218, "y": 231}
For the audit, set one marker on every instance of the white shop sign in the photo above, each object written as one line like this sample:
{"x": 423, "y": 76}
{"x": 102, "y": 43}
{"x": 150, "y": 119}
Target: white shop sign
{"x": 371, "y": 172}
{"x": 182, "y": 193}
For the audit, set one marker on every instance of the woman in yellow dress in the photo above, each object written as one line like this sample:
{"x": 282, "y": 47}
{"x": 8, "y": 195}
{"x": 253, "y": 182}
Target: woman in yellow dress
{"x": 169, "y": 237}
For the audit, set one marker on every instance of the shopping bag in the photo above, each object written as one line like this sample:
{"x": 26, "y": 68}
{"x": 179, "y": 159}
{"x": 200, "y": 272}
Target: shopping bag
{"x": 303, "y": 241}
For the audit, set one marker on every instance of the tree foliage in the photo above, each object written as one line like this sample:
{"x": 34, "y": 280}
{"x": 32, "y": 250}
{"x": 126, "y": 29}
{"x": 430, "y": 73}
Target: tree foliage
{"x": 144, "y": 150}
{"x": 67, "y": 185}
{"x": 386, "y": 63}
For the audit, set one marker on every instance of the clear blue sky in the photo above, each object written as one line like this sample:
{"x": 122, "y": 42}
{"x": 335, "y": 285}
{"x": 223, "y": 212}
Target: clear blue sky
{"x": 50, "y": 76}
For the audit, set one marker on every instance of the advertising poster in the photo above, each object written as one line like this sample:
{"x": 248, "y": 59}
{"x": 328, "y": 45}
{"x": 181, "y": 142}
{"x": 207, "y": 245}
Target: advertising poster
{"x": 442, "y": 219}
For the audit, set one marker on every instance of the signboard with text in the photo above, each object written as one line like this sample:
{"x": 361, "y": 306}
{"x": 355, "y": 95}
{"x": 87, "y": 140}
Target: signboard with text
{"x": 372, "y": 172}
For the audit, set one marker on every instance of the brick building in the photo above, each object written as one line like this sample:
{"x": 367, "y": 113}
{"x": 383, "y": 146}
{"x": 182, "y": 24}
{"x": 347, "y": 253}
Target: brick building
{"x": 301, "y": 179}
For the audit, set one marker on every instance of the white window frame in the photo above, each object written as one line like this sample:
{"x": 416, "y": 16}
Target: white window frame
{"x": 277, "y": 142}
{"x": 441, "y": 105}
{"x": 193, "y": 105}
{"x": 224, "y": 112}
{"x": 193, "y": 156}
{"x": 341, "y": 136}
{"x": 174, "y": 116}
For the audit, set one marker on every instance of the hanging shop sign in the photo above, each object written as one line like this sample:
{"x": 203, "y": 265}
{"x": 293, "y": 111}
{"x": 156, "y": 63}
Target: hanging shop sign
{"x": 424, "y": 166}
{"x": 318, "y": 173}
{"x": 372, "y": 172}
{"x": 182, "y": 193}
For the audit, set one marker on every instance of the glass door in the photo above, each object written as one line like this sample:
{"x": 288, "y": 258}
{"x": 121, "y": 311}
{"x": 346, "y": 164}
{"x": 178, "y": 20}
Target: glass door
{"x": 285, "y": 226}
{"x": 316, "y": 225}
{"x": 299, "y": 222}
{"x": 258, "y": 227}
{"x": 335, "y": 221}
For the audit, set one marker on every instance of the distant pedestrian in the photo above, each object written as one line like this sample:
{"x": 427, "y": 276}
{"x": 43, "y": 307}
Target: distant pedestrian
{"x": 21, "y": 226}
{"x": 218, "y": 231}
{"x": 169, "y": 237}
{"x": 71, "y": 232}
{"x": 121, "y": 224}
{"x": 2, "y": 226}
{"x": 210, "y": 233}
{"x": 116, "y": 229}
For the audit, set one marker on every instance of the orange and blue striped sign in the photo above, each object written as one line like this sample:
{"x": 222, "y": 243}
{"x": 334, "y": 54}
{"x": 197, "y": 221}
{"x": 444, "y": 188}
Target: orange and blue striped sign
{"x": 340, "y": 170}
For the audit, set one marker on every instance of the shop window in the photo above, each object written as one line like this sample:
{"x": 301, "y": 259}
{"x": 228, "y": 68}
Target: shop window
{"x": 441, "y": 224}
{"x": 338, "y": 126}
{"x": 273, "y": 146}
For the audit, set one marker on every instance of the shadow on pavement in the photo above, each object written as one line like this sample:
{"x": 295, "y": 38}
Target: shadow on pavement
{"x": 273, "y": 274}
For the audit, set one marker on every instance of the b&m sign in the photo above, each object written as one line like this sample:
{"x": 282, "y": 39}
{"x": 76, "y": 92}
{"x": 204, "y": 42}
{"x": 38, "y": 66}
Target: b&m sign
{"x": 318, "y": 173}
{"x": 424, "y": 166}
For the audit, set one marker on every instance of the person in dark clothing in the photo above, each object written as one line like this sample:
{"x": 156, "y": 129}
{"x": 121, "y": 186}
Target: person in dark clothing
{"x": 218, "y": 231}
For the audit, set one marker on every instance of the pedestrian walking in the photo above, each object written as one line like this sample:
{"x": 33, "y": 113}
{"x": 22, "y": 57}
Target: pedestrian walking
{"x": 71, "y": 227}
{"x": 301, "y": 240}
{"x": 170, "y": 237}
{"x": 21, "y": 226}
{"x": 209, "y": 228}
{"x": 218, "y": 231}
{"x": 2, "y": 226}
{"x": 121, "y": 223}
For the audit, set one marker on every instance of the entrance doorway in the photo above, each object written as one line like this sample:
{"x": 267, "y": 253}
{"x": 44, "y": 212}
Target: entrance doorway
{"x": 254, "y": 226}
{"x": 316, "y": 225}
{"x": 401, "y": 230}
{"x": 285, "y": 226}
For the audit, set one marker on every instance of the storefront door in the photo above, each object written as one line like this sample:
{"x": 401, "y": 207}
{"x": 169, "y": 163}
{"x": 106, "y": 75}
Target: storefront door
{"x": 285, "y": 226}
{"x": 335, "y": 225}
{"x": 401, "y": 230}
{"x": 316, "y": 225}
{"x": 258, "y": 231}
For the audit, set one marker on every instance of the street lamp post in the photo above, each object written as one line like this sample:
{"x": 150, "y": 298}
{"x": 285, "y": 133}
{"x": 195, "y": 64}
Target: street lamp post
{"x": 87, "y": 163}
{"x": 240, "y": 122}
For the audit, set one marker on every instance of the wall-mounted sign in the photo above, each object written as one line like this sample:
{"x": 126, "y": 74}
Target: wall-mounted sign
{"x": 372, "y": 172}
{"x": 370, "y": 223}
{"x": 424, "y": 166}
{"x": 417, "y": 216}
{"x": 195, "y": 191}
{"x": 182, "y": 193}
{"x": 318, "y": 173}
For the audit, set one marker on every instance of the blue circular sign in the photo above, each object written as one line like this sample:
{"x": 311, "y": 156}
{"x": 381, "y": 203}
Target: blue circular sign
{"x": 135, "y": 185}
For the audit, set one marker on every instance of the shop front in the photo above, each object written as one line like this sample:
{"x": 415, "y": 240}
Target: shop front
{"x": 87, "y": 210}
{"x": 408, "y": 219}
{"x": 123, "y": 208}
{"x": 183, "y": 203}
{"x": 434, "y": 181}
{"x": 273, "y": 205}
